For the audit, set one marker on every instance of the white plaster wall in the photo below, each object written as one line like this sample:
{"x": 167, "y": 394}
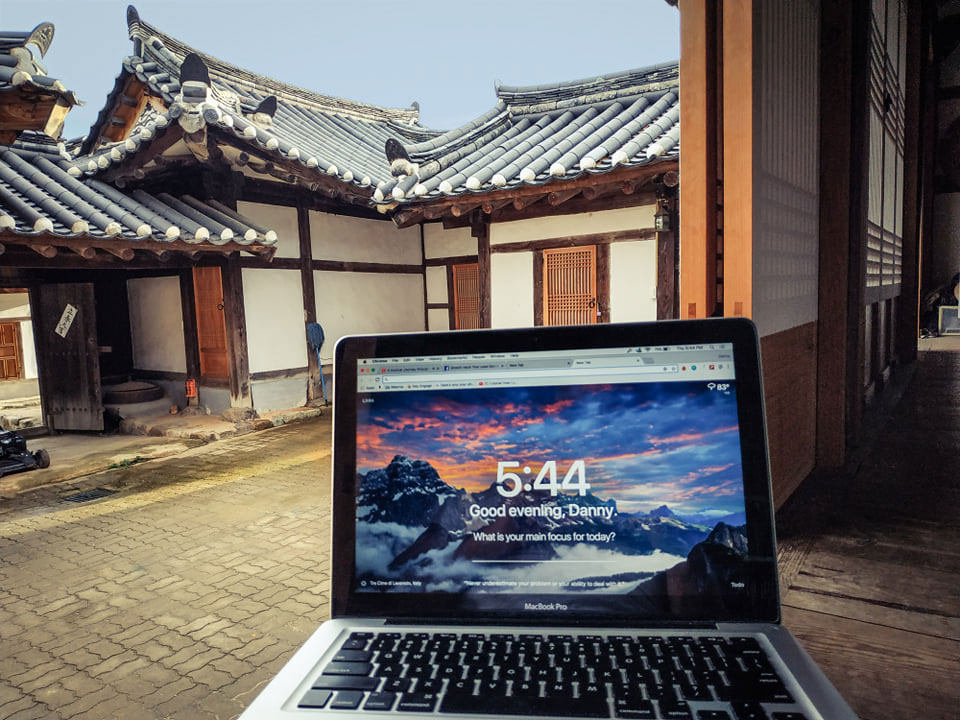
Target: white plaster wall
{"x": 349, "y": 303}
{"x": 945, "y": 250}
{"x": 438, "y": 319}
{"x": 29, "y": 350}
{"x": 633, "y": 281}
{"x": 511, "y": 292}
{"x": 437, "y": 284}
{"x": 339, "y": 237}
{"x": 438, "y": 243}
{"x": 156, "y": 324}
{"x": 556, "y": 226}
{"x": 17, "y": 305}
{"x": 273, "y": 307}
{"x": 279, "y": 218}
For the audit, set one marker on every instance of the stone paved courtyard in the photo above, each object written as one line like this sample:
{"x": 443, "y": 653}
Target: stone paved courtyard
{"x": 178, "y": 597}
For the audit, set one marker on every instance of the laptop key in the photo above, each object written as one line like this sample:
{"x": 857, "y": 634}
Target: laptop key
{"x": 348, "y": 668}
{"x": 346, "y": 655}
{"x": 345, "y": 682}
{"x": 676, "y": 710}
{"x": 789, "y": 716}
{"x": 314, "y": 699}
{"x": 488, "y": 704}
{"x": 749, "y": 710}
{"x": 379, "y": 701}
{"x": 713, "y": 715}
{"x": 346, "y": 700}
{"x": 417, "y": 702}
{"x": 634, "y": 708}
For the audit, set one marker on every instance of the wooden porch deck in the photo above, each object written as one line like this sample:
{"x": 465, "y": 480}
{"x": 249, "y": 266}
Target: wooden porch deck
{"x": 870, "y": 558}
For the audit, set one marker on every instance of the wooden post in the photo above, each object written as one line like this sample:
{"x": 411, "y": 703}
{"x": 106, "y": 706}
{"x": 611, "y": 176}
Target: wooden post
{"x": 666, "y": 266}
{"x": 314, "y": 368}
{"x": 480, "y": 229}
{"x": 738, "y": 157}
{"x": 698, "y": 161}
{"x": 188, "y": 310}
{"x": 836, "y": 38}
{"x": 236, "y": 321}
{"x": 908, "y": 308}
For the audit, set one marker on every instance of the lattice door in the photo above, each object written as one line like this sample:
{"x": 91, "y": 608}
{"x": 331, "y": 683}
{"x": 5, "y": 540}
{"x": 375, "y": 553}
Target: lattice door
{"x": 466, "y": 296}
{"x": 570, "y": 286}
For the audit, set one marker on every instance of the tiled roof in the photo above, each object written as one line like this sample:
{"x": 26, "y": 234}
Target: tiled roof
{"x": 535, "y": 135}
{"x": 21, "y": 73}
{"x": 323, "y": 134}
{"x": 38, "y": 196}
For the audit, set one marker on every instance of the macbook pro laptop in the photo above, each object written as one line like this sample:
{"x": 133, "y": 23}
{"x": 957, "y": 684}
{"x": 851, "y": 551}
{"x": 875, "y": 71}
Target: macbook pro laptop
{"x": 552, "y": 522}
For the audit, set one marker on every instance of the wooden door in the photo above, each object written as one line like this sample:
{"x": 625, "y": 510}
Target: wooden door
{"x": 11, "y": 351}
{"x": 211, "y": 326}
{"x": 466, "y": 296}
{"x": 570, "y": 286}
{"x": 69, "y": 357}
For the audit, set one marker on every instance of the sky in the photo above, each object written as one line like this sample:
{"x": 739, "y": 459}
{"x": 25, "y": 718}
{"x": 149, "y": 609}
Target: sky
{"x": 446, "y": 55}
{"x": 642, "y": 445}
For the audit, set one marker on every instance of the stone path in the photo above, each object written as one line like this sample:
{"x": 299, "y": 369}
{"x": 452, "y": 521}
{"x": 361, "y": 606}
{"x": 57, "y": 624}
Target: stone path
{"x": 178, "y": 597}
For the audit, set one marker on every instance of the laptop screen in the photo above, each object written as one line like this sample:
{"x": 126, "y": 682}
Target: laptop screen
{"x": 590, "y": 480}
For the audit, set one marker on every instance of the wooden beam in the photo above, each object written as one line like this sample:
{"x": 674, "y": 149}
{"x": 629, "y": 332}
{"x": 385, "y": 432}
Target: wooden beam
{"x": 597, "y": 191}
{"x": 124, "y": 253}
{"x": 480, "y": 229}
{"x": 85, "y": 252}
{"x": 47, "y": 251}
{"x": 524, "y": 201}
{"x": 464, "y": 208}
{"x": 491, "y": 206}
{"x": 558, "y": 197}
{"x": 604, "y": 238}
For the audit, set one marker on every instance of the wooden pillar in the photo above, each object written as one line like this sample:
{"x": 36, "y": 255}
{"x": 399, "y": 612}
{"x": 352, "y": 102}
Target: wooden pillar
{"x": 738, "y": 156}
{"x": 666, "y": 265}
{"x": 698, "y": 161}
{"x": 236, "y": 322}
{"x": 314, "y": 387}
{"x": 836, "y": 38}
{"x": 908, "y": 309}
{"x": 857, "y": 216}
{"x": 480, "y": 229}
{"x": 188, "y": 310}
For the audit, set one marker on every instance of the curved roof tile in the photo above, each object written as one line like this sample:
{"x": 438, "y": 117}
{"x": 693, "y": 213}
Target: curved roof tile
{"x": 544, "y": 133}
{"x": 37, "y": 195}
{"x": 325, "y": 134}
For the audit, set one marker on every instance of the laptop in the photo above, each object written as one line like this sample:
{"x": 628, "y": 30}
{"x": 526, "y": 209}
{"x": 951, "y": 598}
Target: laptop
{"x": 552, "y": 522}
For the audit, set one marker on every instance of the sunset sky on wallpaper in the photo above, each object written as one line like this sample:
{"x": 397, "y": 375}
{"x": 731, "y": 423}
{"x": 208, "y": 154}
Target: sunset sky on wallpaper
{"x": 643, "y": 445}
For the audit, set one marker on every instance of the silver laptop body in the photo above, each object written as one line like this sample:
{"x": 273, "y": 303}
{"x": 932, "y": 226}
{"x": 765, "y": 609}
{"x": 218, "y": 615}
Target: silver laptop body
{"x": 544, "y": 495}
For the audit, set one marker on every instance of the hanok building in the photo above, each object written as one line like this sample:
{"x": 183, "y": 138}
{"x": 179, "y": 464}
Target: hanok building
{"x": 212, "y": 215}
{"x": 567, "y": 192}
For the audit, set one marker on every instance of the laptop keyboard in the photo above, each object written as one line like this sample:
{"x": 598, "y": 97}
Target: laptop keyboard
{"x": 593, "y": 676}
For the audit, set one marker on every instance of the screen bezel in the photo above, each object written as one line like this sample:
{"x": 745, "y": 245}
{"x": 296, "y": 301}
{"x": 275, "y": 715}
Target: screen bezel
{"x": 758, "y": 603}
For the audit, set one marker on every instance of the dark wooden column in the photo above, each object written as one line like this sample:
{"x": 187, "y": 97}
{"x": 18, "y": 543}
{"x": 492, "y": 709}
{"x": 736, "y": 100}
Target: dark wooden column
{"x": 188, "y": 308}
{"x": 916, "y": 74}
{"x": 236, "y": 321}
{"x": 314, "y": 369}
{"x": 480, "y": 229}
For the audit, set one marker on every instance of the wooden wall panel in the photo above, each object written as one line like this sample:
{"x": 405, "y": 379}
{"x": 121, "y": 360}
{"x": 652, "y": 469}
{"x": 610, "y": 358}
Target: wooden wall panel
{"x": 790, "y": 384}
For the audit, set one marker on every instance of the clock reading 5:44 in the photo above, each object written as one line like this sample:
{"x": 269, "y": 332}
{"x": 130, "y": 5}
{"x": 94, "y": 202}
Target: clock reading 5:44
{"x": 510, "y": 484}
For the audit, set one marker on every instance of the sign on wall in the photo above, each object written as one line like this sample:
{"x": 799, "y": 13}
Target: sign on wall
{"x": 66, "y": 320}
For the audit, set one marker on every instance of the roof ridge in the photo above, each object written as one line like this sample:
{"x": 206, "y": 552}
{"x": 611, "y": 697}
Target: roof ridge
{"x": 653, "y": 77}
{"x": 141, "y": 30}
